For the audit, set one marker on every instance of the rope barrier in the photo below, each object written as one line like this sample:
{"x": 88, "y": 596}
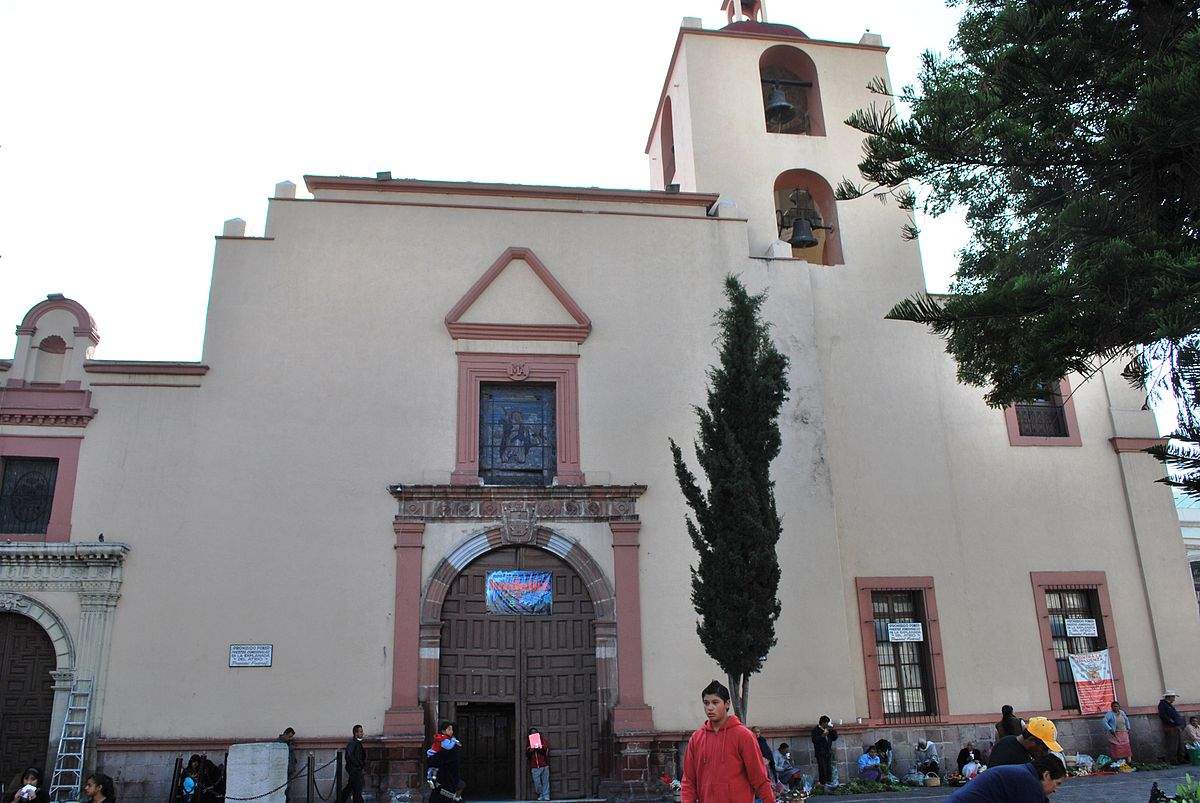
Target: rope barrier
{"x": 284, "y": 785}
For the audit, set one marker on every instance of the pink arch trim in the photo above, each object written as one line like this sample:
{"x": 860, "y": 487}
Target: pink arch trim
{"x": 84, "y": 325}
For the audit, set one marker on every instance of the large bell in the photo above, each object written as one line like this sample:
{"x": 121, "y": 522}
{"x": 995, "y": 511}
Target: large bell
{"x": 779, "y": 109}
{"x": 802, "y": 234}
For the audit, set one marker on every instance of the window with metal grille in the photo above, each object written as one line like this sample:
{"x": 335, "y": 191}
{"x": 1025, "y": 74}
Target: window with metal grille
{"x": 517, "y": 436}
{"x": 904, "y": 674}
{"x": 1043, "y": 418}
{"x": 1072, "y": 603}
{"x": 26, "y": 494}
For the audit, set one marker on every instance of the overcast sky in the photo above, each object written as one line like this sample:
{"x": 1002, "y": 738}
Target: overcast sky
{"x": 130, "y": 131}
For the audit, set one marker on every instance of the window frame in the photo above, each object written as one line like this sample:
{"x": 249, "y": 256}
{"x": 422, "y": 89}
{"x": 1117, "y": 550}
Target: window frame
{"x": 1096, "y": 582}
{"x": 64, "y": 449}
{"x": 1072, "y": 438}
{"x": 560, "y": 370}
{"x": 937, "y": 692}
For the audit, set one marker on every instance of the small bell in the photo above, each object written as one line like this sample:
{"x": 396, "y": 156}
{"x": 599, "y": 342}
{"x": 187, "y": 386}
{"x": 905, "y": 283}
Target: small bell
{"x": 802, "y": 234}
{"x": 779, "y": 109}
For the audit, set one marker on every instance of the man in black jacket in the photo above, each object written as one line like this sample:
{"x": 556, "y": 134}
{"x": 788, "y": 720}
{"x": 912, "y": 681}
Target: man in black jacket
{"x": 356, "y": 766}
{"x": 823, "y": 737}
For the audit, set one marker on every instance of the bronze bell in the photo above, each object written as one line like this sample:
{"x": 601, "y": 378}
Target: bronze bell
{"x": 802, "y": 234}
{"x": 779, "y": 109}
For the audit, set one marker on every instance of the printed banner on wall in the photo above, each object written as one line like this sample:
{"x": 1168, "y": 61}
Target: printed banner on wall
{"x": 515, "y": 591}
{"x": 1093, "y": 681}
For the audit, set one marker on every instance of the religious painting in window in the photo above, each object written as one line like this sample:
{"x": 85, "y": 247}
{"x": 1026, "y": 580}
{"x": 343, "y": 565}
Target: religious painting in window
{"x": 1045, "y": 417}
{"x": 902, "y": 647}
{"x": 517, "y": 434}
{"x": 1073, "y": 604}
{"x": 26, "y": 494}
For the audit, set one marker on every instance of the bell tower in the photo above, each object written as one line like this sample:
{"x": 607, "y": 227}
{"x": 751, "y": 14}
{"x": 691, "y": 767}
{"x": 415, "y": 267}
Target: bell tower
{"x": 754, "y": 111}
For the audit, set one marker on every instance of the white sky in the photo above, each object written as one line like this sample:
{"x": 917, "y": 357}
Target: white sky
{"x": 129, "y": 131}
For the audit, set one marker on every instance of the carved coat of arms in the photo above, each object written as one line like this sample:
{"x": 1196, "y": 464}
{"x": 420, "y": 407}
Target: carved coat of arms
{"x": 518, "y": 522}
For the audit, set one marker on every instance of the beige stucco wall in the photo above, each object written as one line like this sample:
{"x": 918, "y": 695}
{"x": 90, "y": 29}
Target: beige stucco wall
{"x": 256, "y": 507}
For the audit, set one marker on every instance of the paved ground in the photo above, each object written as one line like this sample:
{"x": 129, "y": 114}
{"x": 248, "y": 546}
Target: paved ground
{"x": 1133, "y": 787}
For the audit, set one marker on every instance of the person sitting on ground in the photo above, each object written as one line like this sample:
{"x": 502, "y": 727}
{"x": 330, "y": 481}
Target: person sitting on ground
{"x": 784, "y": 768}
{"x": 1193, "y": 733}
{"x": 1039, "y": 736}
{"x": 887, "y": 760}
{"x": 970, "y": 760}
{"x": 868, "y": 765}
{"x": 30, "y": 788}
{"x": 1016, "y": 783}
{"x": 926, "y": 758}
{"x": 1009, "y": 724}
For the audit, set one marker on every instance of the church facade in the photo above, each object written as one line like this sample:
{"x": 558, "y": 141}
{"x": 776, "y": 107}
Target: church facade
{"x": 419, "y": 476}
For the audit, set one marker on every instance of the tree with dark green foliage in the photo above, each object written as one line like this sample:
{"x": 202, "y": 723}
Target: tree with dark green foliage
{"x": 736, "y": 526}
{"x": 1069, "y": 132}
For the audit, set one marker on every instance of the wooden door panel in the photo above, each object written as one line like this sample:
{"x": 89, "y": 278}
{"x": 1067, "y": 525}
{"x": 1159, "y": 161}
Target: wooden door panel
{"x": 545, "y": 666}
{"x": 26, "y": 693}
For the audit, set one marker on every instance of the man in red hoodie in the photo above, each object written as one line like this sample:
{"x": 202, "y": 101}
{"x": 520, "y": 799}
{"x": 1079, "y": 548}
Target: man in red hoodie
{"x": 723, "y": 763}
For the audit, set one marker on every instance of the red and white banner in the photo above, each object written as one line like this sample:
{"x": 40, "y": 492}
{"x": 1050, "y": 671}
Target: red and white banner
{"x": 1093, "y": 681}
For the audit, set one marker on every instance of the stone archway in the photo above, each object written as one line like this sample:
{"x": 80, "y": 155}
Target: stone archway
{"x": 579, "y": 561}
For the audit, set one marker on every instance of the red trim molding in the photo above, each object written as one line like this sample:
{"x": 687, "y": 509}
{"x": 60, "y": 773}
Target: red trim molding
{"x": 409, "y": 185}
{"x": 53, "y": 405}
{"x": 404, "y": 717}
{"x": 866, "y": 614}
{"x": 1122, "y": 445}
{"x": 1095, "y": 581}
{"x": 515, "y": 331}
{"x": 559, "y": 369}
{"x": 1015, "y": 438}
{"x": 66, "y": 451}
{"x": 145, "y": 367}
{"x": 85, "y": 326}
{"x": 631, "y": 714}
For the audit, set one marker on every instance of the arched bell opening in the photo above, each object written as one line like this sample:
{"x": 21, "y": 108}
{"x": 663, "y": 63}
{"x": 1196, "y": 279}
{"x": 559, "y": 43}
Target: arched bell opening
{"x": 791, "y": 92}
{"x": 806, "y": 216}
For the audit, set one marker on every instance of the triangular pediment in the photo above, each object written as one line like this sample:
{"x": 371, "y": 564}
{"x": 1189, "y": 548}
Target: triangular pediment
{"x": 518, "y": 298}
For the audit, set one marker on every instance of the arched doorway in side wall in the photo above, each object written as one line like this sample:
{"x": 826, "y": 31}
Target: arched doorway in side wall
{"x": 26, "y": 695}
{"x": 503, "y": 672}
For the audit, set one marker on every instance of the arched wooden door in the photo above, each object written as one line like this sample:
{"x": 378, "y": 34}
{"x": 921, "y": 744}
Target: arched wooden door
{"x": 26, "y": 695}
{"x": 501, "y": 674}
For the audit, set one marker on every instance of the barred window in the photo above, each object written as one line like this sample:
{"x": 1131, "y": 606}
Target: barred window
{"x": 905, "y": 679}
{"x": 26, "y": 494}
{"x": 1043, "y": 418}
{"x": 1072, "y": 603}
{"x": 517, "y": 434}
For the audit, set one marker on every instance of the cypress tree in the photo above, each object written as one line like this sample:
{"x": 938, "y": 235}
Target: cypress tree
{"x": 735, "y": 526}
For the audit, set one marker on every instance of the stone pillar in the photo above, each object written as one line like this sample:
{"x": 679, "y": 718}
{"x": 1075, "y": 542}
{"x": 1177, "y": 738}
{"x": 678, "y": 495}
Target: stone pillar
{"x": 91, "y": 662}
{"x": 631, "y": 713}
{"x": 405, "y": 718}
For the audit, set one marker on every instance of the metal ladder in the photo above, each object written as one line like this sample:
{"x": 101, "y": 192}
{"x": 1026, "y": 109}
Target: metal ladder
{"x": 68, "y": 766}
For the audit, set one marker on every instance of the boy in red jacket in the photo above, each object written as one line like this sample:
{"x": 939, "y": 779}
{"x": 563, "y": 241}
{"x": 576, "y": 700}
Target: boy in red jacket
{"x": 723, "y": 763}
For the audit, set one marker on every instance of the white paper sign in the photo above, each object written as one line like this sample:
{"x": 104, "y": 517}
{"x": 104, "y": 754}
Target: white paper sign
{"x": 250, "y": 654}
{"x": 905, "y": 631}
{"x": 1077, "y": 628}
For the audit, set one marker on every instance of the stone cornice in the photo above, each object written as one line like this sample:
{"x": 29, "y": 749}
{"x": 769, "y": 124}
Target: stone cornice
{"x": 90, "y": 568}
{"x": 557, "y": 502}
